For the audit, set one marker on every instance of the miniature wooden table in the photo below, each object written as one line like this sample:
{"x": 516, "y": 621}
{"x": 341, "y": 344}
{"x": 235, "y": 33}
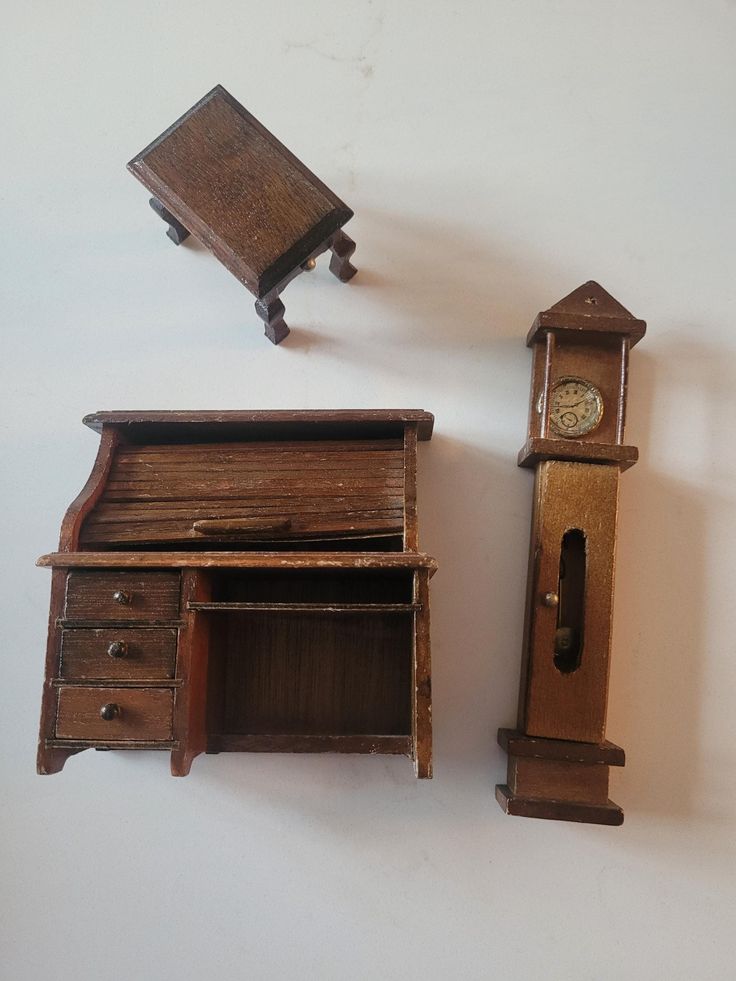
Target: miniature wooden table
{"x": 219, "y": 175}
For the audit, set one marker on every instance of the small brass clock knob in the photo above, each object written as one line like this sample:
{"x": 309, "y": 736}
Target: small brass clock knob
{"x": 110, "y": 711}
{"x": 551, "y": 599}
{"x": 121, "y": 597}
{"x": 117, "y": 648}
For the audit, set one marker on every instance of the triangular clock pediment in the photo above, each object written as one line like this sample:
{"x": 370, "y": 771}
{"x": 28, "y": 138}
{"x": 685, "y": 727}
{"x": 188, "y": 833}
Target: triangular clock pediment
{"x": 591, "y": 300}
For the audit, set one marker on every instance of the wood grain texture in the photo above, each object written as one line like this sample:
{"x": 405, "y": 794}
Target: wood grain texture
{"x": 315, "y": 675}
{"x": 554, "y": 810}
{"x": 287, "y": 490}
{"x": 142, "y": 425}
{"x": 190, "y": 707}
{"x": 90, "y": 493}
{"x": 516, "y": 743}
{"x": 144, "y": 713}
{"x": 421, "y": 681}
{"x": 537, "y": 449}
{"x": 585, "y": 783}
{"x": 237, "y": 189}
{"x": 559, "y": 705}
{"x": 588, "y": 310}
{"x": 558, "y": 756}
{"x": 51, "y": 759}
{"x": 146, "y": 653}
{"x": 312, "y": 674}
{"x": 151, "y": 595}
{"x": 220, "y": 645}
{"x": 238, "y": 560}
{"x": 410, "y": 488}
{"x": 296, "y": 743}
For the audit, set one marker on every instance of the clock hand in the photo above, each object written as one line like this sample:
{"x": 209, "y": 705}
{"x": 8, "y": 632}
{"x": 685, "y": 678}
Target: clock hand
{"x": 571, "y": 405}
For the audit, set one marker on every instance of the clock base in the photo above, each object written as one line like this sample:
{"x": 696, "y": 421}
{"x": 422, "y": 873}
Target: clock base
{"x": 558, "y": 780}
{"x": 558, "y": 810}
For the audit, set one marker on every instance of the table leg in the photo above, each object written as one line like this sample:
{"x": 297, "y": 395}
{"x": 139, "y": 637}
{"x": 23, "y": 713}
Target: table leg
{"x": 342, "y": 248}
{"x": 177, "y": 232}
{"x": 271, "y": 311}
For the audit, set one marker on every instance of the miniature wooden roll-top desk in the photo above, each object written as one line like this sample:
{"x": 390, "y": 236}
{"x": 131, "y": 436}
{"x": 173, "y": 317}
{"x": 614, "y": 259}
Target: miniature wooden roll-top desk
{"x": 244, "y": 581}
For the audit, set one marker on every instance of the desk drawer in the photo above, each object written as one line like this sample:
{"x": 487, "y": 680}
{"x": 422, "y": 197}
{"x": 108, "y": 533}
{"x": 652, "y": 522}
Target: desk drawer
{"x": 122, "y": 595}
{"x": 126, "y": 653}
{"x": 115, "y": 713}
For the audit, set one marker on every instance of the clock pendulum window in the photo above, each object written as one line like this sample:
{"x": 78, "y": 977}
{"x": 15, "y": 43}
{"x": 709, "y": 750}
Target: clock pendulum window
{"x": 559, "y": 758}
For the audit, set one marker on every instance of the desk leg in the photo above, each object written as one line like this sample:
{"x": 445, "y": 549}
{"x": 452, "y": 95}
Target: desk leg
{"x": 177, "y": 232}
{"x": 190, "y": 710}
{"x": 271, "y": 311}
{"x": 421, "y": 723}
{"x": 342, "y": 248}
{"x": 52, "y": 759}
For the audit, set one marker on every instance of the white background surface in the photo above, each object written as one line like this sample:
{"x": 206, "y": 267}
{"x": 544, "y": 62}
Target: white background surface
{"x": 497, "y": 155}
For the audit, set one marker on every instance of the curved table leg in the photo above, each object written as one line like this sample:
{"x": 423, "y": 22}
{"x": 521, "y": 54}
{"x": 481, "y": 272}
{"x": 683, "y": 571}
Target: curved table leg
{"x": 271, "y": 311}
{"x": 342, "y": 248}
{"x": 176, "y": 232}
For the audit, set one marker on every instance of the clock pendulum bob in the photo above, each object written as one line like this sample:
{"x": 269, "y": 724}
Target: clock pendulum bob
{"x": 559, "y": 758}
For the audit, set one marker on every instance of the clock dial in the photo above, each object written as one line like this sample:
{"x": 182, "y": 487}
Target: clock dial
{"x": 576, "y": 407}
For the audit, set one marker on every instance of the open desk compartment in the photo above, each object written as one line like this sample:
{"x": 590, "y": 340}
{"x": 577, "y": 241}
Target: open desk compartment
{"x": 310, "y": 660}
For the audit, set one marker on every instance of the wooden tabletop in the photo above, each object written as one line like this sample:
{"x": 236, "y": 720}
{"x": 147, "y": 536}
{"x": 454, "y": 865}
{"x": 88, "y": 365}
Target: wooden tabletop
{"x": 237, "y": 189}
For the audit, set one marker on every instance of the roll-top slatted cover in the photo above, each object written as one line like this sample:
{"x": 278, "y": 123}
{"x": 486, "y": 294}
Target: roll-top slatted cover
{"x": 288, "y": 490}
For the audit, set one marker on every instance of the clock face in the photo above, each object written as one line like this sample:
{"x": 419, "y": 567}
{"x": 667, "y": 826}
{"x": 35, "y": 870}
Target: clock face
{"x": 576, "y": 407}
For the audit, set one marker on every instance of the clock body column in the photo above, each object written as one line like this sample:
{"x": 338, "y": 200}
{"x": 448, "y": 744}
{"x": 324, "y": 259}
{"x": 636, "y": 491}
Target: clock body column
{"x": 558, "y": 756}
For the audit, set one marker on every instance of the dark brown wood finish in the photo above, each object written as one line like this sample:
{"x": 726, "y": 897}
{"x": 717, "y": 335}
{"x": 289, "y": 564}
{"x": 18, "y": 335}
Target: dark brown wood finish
{"x": 421, "y": 686}
{"x": 90, "y": 493}
{"x": 190, "y": 709}
{"x": 51, "y": 758}
{"x": 122, "y": 596}
{"x": 114, "y": 713}
{"x": 320, "y": 649}
{"x": 558, "y": 757}
{"x": 219, "y": 175}
{"x": 132, "y": 653}
{"x": 253, "y": 492}
{"x": 238, "y": 560}
{"x": 217, "y": 426}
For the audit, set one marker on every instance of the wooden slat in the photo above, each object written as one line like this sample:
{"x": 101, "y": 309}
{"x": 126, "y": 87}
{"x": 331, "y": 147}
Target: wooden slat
{"x": 307, "y": 607}
{"x": 518, "y": 744}
{"x": 374, "y": 745}
{"x": 118, "y": 683}
{"x": 323, "y": 488}
{"x": 169, "y": 531}
{"x": 129, "y": 421}
{"x": 77, "y": 744}
{"x": 131, "y": 512}
{"x": 238, "y": 560}
{"x": 421, "y": 697}
{"x": 265, "y": 448}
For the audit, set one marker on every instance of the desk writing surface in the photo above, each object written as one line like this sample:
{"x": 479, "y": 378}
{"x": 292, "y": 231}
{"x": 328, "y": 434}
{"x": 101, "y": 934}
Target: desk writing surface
{"x": 240, "y": 191}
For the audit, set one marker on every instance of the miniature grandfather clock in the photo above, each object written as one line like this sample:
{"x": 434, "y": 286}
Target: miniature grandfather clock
{"x": 558, "y": 756}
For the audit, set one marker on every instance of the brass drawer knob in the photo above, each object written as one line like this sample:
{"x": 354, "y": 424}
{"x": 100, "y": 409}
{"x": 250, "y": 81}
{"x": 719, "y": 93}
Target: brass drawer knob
{"x": 551, "y": 599}
{"x": 121, "y": 597}
{"x": 117, "y": 648}
{"x": 110, "y": 711}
